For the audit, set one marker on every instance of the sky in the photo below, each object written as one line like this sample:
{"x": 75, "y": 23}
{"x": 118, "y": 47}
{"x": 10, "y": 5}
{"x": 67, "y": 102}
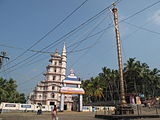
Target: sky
{"x": 24, "y": 22}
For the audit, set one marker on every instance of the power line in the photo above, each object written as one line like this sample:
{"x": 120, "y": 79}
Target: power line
{"x": 57, "y": 44}
{"x": 94, "y": 35}
{"x": 95, "y": 42}
{"x": 120, "y": 21}
{"x": 47, "y": 52}
{"x": 137, "y": 13}
{"x": 142, "y": 28}
{"x": 8, "y": 46}
{"x": 97, "y": 32}
{"x": 72, "y": 65}
{"x": 88, "y": 21}
{"x": 69, "y": 51}
{"x": 80, "y": 42}
{"x": 61, "y": 38}
{"x": 13, "y": 47}
{"x": 49, "y": 32}
{"x": 88, "y": 50}
{"x": 31, "y": 78}
{"x": 136, "y": 26}
{"x": 140, "y": 11}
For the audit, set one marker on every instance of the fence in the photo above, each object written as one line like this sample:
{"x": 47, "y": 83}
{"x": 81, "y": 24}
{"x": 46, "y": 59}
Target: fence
{"x": 138, "y": 110}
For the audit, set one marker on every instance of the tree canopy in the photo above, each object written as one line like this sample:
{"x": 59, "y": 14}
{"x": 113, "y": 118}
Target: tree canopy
{"x": 138, "y": 77}
{"x": 8, "y": 92}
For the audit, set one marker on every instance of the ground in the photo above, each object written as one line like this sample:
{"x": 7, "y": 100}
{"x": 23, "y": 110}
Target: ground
{"x": 47, "y": 116}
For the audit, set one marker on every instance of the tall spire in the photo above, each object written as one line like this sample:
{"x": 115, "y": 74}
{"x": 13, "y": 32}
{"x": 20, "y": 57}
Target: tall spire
{"x": 64, "y": 50}
{"x": 64, "y": 61}
{"x": 64, "y": 47}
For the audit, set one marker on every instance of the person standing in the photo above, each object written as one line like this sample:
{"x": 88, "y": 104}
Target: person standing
{"x": 39, "y": 112}
{"x": 54, "y": 113}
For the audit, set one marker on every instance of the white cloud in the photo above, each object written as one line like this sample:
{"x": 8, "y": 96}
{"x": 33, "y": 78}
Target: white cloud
{"x": 156, "y": 17}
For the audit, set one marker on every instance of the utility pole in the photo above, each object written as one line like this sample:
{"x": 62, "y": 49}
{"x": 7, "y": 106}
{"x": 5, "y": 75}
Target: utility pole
{"x": 123, "y": 108}
{"x": 2, "y": 57}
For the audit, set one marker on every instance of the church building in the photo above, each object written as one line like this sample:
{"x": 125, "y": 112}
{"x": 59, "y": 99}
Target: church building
{"x": 47, "y": 91}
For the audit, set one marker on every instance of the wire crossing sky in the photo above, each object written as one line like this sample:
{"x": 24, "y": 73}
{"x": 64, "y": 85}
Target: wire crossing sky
{"x": 31, "y": 30}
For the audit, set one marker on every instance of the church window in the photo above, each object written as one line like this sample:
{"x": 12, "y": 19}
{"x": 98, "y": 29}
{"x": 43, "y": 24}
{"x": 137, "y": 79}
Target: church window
{"x": 53, "y": 87}
{"x": 55, "y": 63}
{"x": 54, "y": 77}
{"x": 52, "y": 95}
{"x": 55, "y": 70}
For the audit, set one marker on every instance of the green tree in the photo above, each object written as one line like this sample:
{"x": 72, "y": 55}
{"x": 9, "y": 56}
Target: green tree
{"x": 8, "y": 92}
{"x": 138, "y": 77}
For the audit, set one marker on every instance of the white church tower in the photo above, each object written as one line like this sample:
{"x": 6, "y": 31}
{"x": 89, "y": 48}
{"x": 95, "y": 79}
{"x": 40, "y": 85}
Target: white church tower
{"x": 64, "y": 63}
{"x": 47, "y": 91}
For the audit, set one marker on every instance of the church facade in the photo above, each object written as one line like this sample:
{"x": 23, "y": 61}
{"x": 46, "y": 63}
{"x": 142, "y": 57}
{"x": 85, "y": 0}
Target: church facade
{"x": 47, "y": 91}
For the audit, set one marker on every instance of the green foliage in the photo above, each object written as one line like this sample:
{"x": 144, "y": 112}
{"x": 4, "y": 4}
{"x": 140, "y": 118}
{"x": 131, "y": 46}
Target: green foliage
{"x": 138, "y": 78}
{"x": 8, "y": 92}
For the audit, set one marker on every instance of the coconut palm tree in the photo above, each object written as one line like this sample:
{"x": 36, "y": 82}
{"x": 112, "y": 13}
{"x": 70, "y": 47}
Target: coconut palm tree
{"x": 132, "y": 72}
{"x": 138, "y": 77}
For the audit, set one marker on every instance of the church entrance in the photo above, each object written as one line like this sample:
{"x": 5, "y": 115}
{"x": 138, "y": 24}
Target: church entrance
{"x": 71, "y": 85}
{"x": 52, "y": 103}
{"x": 65, "y": 107}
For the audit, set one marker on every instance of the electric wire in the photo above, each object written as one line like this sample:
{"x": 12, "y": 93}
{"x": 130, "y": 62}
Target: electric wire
{"x": 136, "y": 26}
{"x": 140, "y": 11}
{"x": 61, "y": 39}
{"x": 8, "y": 46}
{"x": 95, "y": 43}
{"x": 142, "y": 28}
{"x": 87, "y": 50}
{"x": 49, "y": 32}
{"x": 57, "y": 44}
{"x": 89, "y": 20}
{"x": 72, "y": 51}
{"x": 76, "y": 51}
{"x": 84, "y": 23}
{"x": 120, "y": 21}
{"x": 13, "y": 47}
{"x": 81, "y": 41}
{"x": 32, "y": 78}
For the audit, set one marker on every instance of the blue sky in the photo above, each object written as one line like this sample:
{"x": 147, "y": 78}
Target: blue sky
{"x": 23, "y": 22}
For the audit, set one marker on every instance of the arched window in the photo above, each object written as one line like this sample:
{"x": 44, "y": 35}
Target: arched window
{"x": 53, "y": 87}
{"x": 54, "y": 77}
{"x": 52, "y": 95}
